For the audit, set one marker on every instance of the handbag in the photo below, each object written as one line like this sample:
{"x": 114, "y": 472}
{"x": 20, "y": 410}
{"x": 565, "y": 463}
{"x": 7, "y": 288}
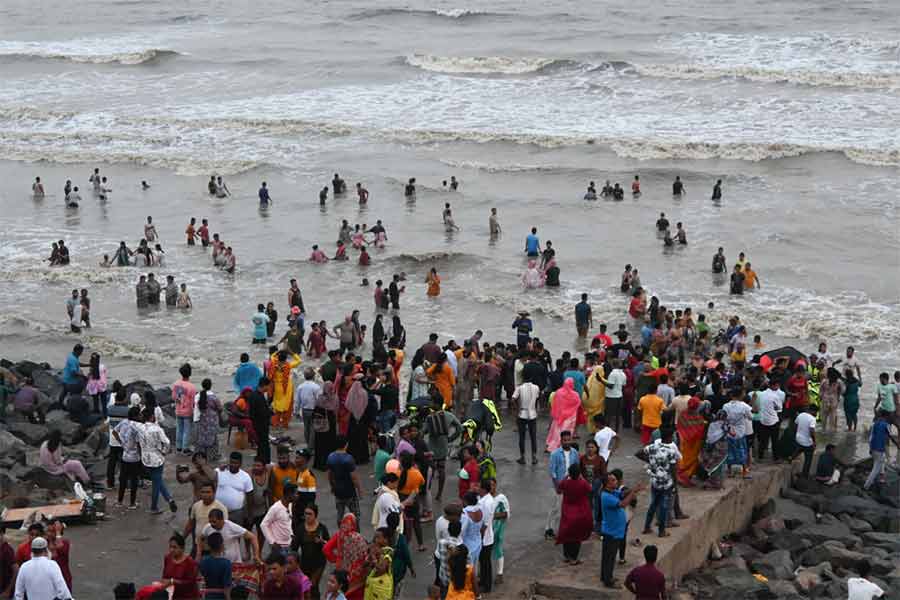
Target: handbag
{"x": 320, "y": 422}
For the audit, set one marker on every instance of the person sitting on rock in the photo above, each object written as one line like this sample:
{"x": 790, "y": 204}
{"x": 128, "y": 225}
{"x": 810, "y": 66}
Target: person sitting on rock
{"x": 53, "y": 462}
{"x": 26, "y": 402}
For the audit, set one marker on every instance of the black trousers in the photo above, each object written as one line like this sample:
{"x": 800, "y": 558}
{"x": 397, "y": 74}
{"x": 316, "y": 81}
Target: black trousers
{"x": 531, "y": 425}
{"x": 766, "y": 435}
{"x": 485, "y": 569}
{"x": 571, "y": 550}
{"x": 613, "y": 412}
{"x": 129, "y": 475}
{"x": 608, "y": 558}
{"x": 808, "y": 452}
{"x": 115, "y": 456}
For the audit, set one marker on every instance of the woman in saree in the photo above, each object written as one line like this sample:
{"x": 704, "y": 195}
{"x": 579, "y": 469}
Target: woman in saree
{"x": 715, "y": 451}
{"x": 342, "y": 384}
{"x": 279, "y": 373}
{"x": 690, "y": 426}
{"x": 594, "y": 397}
{"x": 348, "y": 550}
{"x": 532, "y": 277}
{"x": 325, "y": 425}
{"x": 565, "y": 410}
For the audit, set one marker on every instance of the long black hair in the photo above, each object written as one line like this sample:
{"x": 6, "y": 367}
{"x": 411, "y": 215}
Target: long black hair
{"x": 203, "y": 403}
{"x": 95, "y": 366}
{"x": 54, "y": 440}
{"x": 459, "y": 560}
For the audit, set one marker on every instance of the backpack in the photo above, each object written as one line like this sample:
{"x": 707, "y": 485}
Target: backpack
{"x": 487, "y": 468}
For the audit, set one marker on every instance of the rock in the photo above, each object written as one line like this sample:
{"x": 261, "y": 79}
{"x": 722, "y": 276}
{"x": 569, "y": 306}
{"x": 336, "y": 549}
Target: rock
{"x": 788, "y": 540}
{"x": 783, "y": 590}
{"x": 793, "y": 513}
{"x": 834, "y": 554}
{"x": 745, "y": 551}
{"x": 735, "y": 583}
{"x": 812, "y": 502}
{"x": 164, "y": 397}
{"x": 138, "y": 387}
{"x": 97, "y": 440}
{"x": 807, "y": 486}
{"x": 27, "y": 367}
{"x": 11, "y": 446}
{"x": 768, "y": 526}
{"x": 72, "y": 433}
{"x": 856, "y": 525}
{"x": 48, "y": 382}
{"x": 881, "y": 517}
{"x": 828, "y": 529}
{"x": 762, "y": 511}
{"x": 41, "y": 478}
{"x": 29, "y": 433}
{"x": 888, "y": 541}
{"x": 774, "y": 565}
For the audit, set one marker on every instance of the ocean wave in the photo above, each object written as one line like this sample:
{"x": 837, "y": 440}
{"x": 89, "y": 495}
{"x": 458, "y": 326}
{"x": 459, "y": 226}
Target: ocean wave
{"x": 137, "y": 57}
{"x": 485, "y": 65}
{"x": 446, "y": 13}
{"x": 73, "y": 275}
{"x": 760, "y": 74}
{"x": 423, "y": 259}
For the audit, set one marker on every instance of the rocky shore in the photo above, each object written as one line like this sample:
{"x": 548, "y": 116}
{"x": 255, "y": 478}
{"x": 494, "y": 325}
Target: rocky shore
{"x": 808, "y": 542}
{"x": 23, "y": 483}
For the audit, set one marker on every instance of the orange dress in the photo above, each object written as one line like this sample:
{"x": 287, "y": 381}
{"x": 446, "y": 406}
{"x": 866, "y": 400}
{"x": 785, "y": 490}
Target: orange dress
{"x": 444, "y": 381}
{"x": 468, "y": 592}
{"x": 434, "y": 285}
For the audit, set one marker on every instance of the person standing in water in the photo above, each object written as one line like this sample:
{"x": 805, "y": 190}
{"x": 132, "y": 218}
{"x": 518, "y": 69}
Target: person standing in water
{"x": 190, "y": 232}
{"x": 73, "y": 198}
{"x": 264, "y": 198}
{"x": 533, "y": 244}
{"x": 434, "y": 283}
{"x": 636, "y": 186}
{"x": 150, "y": 231}
{"x": 718, "y": 261}
{"x": 37, "y": 188}
{"x": 221, "y": 189}
{"x": 323, "y": 196}
{"x": 717, "y": 190}
{"x": 677, "y": 186}
{"x": 211, "y": 186}
{"x": 362, "y": 193}
{"x": 494, "y": 223}
{"x": 680, "y": 233}
{"x": 454, "y": 184}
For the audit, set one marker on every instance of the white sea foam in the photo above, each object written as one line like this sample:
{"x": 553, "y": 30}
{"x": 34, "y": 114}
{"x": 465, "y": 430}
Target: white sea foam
{"x": 81, "y": 54}
{"x": 768, "y": 75}
{"x": 482, "y": 65}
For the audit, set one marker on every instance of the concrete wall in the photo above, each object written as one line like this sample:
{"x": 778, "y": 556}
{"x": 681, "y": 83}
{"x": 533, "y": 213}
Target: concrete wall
{"x": 716, "y": 514}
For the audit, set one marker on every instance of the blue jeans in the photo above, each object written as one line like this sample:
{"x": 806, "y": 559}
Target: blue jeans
{"x": 386, "y": 420}
{"x": 183, "y": 433}
{"x": 659, "y": 505}
{"x": 158, "y": 487}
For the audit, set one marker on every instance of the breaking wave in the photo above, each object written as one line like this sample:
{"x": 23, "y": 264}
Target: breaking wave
{"x": 484, "y": 65}
{"x": 446, "y": 13}
{"x": 797, "y": 77}
{"x": 35, "y": 52}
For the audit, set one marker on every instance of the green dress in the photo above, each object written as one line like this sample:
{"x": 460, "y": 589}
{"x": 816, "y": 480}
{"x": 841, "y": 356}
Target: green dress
{"x": 501, "y": 505}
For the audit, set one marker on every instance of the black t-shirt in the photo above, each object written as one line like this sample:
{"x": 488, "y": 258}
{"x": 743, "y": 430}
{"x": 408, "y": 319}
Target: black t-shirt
{"x": 677, "y": 188}
{"x": 390, "y": 397}
{"x": 536, "y": 373}
{"x": 410, "y": 189}
{"x": 737, "y": 283}
{"x": 662, "y": 224}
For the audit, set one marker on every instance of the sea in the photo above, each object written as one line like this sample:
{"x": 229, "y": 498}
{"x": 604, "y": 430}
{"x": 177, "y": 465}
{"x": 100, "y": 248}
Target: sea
{"x": 795, "y": 106}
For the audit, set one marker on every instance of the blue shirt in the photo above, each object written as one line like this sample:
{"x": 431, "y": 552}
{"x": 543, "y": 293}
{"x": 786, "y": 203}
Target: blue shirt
{"x": 342, "y": 465}
{"x": 613, "y": 515}
{"x": 523, "y": 327}
{"x": 216, "y": 571}
{"x": 72, "y": 370}
{"x": 578, "y": 378}
{"x": 559, "y": 469}
{"x": 263, "y": 195}
{"x": 646, "y": 335}
{"x": 582, "y": 312}
{"x": 879, "y": 436}
{"x": 532, "y": 245}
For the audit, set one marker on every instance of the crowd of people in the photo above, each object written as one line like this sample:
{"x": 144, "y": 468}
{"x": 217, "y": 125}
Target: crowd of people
{"x": 704, "y": 400}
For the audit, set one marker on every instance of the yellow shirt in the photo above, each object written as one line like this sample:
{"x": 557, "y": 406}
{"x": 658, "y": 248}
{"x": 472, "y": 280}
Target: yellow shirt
{"x": 279, "y": 476}
{"x": 651, "y": 407}
{"x": 306, "y": 482}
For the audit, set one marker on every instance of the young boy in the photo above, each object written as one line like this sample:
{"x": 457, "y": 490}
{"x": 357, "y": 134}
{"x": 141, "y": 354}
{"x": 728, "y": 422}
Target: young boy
{"x": 216, "y": 569}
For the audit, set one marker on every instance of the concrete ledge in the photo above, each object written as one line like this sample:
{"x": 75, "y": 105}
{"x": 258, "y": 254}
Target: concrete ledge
{"x": 713, "y": 515}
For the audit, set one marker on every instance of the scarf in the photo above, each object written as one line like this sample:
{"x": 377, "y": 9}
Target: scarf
{"x": 357, "y": 400}
{"x": 352, "y": 548}
{"x": 566, "y": 402}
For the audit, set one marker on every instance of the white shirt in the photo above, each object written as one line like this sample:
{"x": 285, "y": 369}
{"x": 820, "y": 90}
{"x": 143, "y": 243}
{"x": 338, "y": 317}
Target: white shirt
{"x": 666, "y": 392}
{"x": 232, "y": 487}
{"x": 441, "y": 531}
{"x": 527, "y": 395}
{"x": 487, "y": 506}
{"x": 451, "y": 360}
{"x": 41, "y": 579}
{"x": 309, "y": 393}
{"x": 738, "y": 414}
{"x": 387, "y": 502}
{"x": 770, "y": 404}
{"x": 604, "y": 439}
{"x": 276, "y": 525}
{"x": 861, "y": 589}
{"x": 154, "y": 445}
{"x": 806, "y": 425}
{"x": 518, "y": 366}
{"x": 232, "y": 534}
{"x": 618, "y": 380}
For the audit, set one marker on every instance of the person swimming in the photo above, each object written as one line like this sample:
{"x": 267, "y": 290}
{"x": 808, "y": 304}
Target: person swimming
{"x": 591, "y": 193}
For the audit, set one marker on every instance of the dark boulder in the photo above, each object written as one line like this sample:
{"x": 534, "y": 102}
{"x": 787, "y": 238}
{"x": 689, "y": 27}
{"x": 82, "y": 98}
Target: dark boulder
{"x": 30, "y": 433}
{"x": 829, "y": 528}
{"x": 774, "y": 565}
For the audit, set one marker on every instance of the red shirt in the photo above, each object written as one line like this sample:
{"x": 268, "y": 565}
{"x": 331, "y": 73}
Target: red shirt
{"x": 647, "y": 581}
{"x": 23, "y": 552}
{"x": 185, "y": 573}
{"x": 471, "y": 467}
{"x": 59, "y": 552}
{"x": 288, "y": 590}
{"x": 634, "y": 309}
{"x": 797, "y": 391}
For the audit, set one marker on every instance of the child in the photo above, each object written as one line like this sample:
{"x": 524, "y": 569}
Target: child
{"x": 338, "y": 583}
{"x": 216, "y": 570}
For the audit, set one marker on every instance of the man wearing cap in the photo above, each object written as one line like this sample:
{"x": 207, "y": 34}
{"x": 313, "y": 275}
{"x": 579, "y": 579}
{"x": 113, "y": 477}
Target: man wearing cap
{"x": 40, "y": 578}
